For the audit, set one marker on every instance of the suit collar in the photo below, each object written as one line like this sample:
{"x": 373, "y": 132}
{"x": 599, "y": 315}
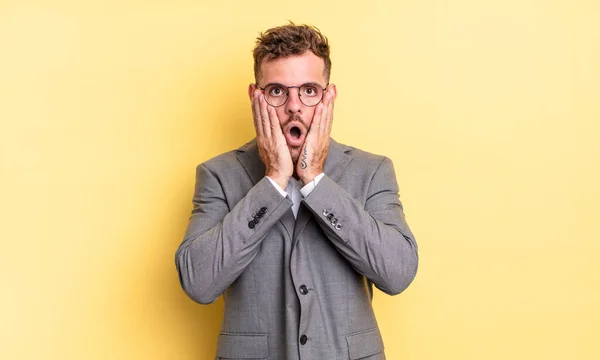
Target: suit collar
{"x": 338, "y": 156}
{"x": 250, "y": 160}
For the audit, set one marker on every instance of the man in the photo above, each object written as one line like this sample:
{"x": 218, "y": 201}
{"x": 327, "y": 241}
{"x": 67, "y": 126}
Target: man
{"x": 294, "y": 228}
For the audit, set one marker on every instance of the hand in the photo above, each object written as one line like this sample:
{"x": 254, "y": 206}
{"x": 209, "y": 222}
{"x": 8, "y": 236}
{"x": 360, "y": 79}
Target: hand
{"x": 314, "y": 152}
{"x": 272, "y": 147}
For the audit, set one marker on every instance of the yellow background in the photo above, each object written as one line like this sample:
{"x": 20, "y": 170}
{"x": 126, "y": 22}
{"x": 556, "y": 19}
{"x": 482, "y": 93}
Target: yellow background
{"x": 489, "y": 110}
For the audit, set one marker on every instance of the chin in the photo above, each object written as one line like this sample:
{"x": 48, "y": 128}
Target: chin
{"x": 295, "y": 154}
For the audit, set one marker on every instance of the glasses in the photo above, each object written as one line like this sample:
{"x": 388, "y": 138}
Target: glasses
{"x": 277, "y": 94}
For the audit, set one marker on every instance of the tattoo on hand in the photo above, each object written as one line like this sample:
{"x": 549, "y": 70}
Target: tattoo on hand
{"x": 303, "y": 162}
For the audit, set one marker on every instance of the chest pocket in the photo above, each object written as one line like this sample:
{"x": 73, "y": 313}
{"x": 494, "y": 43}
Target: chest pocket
{"x": 242, "y": 346}
{"x": 365, "y": 345}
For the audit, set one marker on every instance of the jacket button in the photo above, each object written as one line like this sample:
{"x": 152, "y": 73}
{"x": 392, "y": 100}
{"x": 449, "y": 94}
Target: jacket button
{"x": 263, "y": 210}
{"x": 251, "y": 224}
{"x": 303, "y": 339}
{"x": 303, "y": 289}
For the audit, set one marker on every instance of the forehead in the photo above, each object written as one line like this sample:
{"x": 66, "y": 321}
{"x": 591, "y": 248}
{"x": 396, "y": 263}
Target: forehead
{"x": 293, "y": 70}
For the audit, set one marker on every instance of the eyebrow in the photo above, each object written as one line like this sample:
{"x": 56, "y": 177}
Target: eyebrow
{"x": 306, "y": 83}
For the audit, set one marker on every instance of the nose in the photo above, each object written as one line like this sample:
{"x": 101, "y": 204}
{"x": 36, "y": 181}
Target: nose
{"x": 293, "y": 104}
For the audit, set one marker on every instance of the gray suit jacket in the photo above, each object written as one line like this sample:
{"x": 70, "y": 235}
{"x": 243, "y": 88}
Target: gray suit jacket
{"x": 297, "y": 288}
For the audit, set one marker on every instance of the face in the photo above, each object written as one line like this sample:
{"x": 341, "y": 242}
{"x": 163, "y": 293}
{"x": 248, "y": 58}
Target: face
{"x": 295, "y": 117}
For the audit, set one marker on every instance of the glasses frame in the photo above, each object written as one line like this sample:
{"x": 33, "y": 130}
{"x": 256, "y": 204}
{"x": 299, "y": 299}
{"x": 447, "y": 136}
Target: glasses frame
{"x": 287, "y": 92}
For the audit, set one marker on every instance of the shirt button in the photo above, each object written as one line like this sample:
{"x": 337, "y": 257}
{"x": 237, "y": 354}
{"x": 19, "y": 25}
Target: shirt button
{"x": 263, "y": 210}
{"x": 303, "y": 339}
{"x": 251, "y": 224}
{"x": 303, "y": 289}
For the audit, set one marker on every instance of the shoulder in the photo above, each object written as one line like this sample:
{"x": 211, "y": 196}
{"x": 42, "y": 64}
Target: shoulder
{"x": 226, "y": 161}
{"x": 362, "y": 158}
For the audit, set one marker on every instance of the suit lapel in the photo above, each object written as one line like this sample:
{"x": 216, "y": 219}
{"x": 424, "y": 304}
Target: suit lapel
{"x": 288, "y": 222}
{"x": 335, "y": 164}
{"x": 337, "y": 158}
{"x": 250, "y": 160}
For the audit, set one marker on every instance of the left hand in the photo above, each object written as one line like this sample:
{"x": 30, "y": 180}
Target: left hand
{"x": 314, "y": 152}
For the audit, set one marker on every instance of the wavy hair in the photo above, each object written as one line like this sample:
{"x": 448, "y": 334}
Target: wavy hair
{"x": 289, "y": 40}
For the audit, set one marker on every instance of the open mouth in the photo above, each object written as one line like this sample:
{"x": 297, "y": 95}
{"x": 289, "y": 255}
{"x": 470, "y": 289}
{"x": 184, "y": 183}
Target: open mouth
{"x": 295, "y": 135}
{"x": 295, "y": 132}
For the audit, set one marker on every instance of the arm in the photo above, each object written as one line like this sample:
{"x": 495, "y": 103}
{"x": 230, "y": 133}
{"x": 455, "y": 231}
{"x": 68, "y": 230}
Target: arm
{"x": 375, "y": 239}
{"x": 219, "y": 244}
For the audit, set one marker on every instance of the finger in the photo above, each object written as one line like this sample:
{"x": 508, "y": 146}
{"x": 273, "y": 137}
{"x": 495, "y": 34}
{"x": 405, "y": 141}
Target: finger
{"x": 325, "y": 115}
{"x": 274, "y": 119}
{"x": 256, "y": 115}
{"x": 317, "y": 116}
{"x": 264, "y": 115}
{"x": 327, "y": 112}
{"x": 329, "y": 120}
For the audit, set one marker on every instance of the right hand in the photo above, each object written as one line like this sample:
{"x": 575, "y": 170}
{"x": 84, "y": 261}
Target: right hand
{"x": 272, "y": 147}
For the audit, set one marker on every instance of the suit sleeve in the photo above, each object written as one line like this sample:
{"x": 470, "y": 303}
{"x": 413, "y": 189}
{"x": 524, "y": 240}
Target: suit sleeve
{"x": 220, "y": 243}
{"x": 374, "y": 238}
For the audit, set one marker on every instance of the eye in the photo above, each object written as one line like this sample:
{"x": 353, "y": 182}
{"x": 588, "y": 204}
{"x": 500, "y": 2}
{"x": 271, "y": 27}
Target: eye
{"x": 276, "y": 91}
{"x": 309, "y": 90}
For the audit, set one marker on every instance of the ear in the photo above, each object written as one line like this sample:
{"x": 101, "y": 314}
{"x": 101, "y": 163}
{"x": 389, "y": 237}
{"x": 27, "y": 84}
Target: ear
{"x": 333, "y": 89}
{"x": 251, "y": 89}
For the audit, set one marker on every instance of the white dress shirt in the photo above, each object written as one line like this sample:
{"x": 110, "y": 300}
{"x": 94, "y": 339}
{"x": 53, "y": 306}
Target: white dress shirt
{"x": 296, "y": 191}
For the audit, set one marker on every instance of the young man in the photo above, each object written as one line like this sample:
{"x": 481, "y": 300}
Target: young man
{"x": 293, "y": 228}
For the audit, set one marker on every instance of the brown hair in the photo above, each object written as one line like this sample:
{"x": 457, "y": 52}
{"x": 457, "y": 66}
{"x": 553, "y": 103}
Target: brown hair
{"x": 289, "y": 40}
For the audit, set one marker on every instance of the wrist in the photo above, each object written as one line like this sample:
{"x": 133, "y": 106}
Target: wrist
{"x": 281, "y": 180}
{"x": 308, "y": 177}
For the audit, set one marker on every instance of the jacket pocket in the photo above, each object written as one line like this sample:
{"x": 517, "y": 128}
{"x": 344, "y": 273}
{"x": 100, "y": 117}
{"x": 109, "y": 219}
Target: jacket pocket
{"x": 364, "y": 344}
{"x": 242, "y": 346}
